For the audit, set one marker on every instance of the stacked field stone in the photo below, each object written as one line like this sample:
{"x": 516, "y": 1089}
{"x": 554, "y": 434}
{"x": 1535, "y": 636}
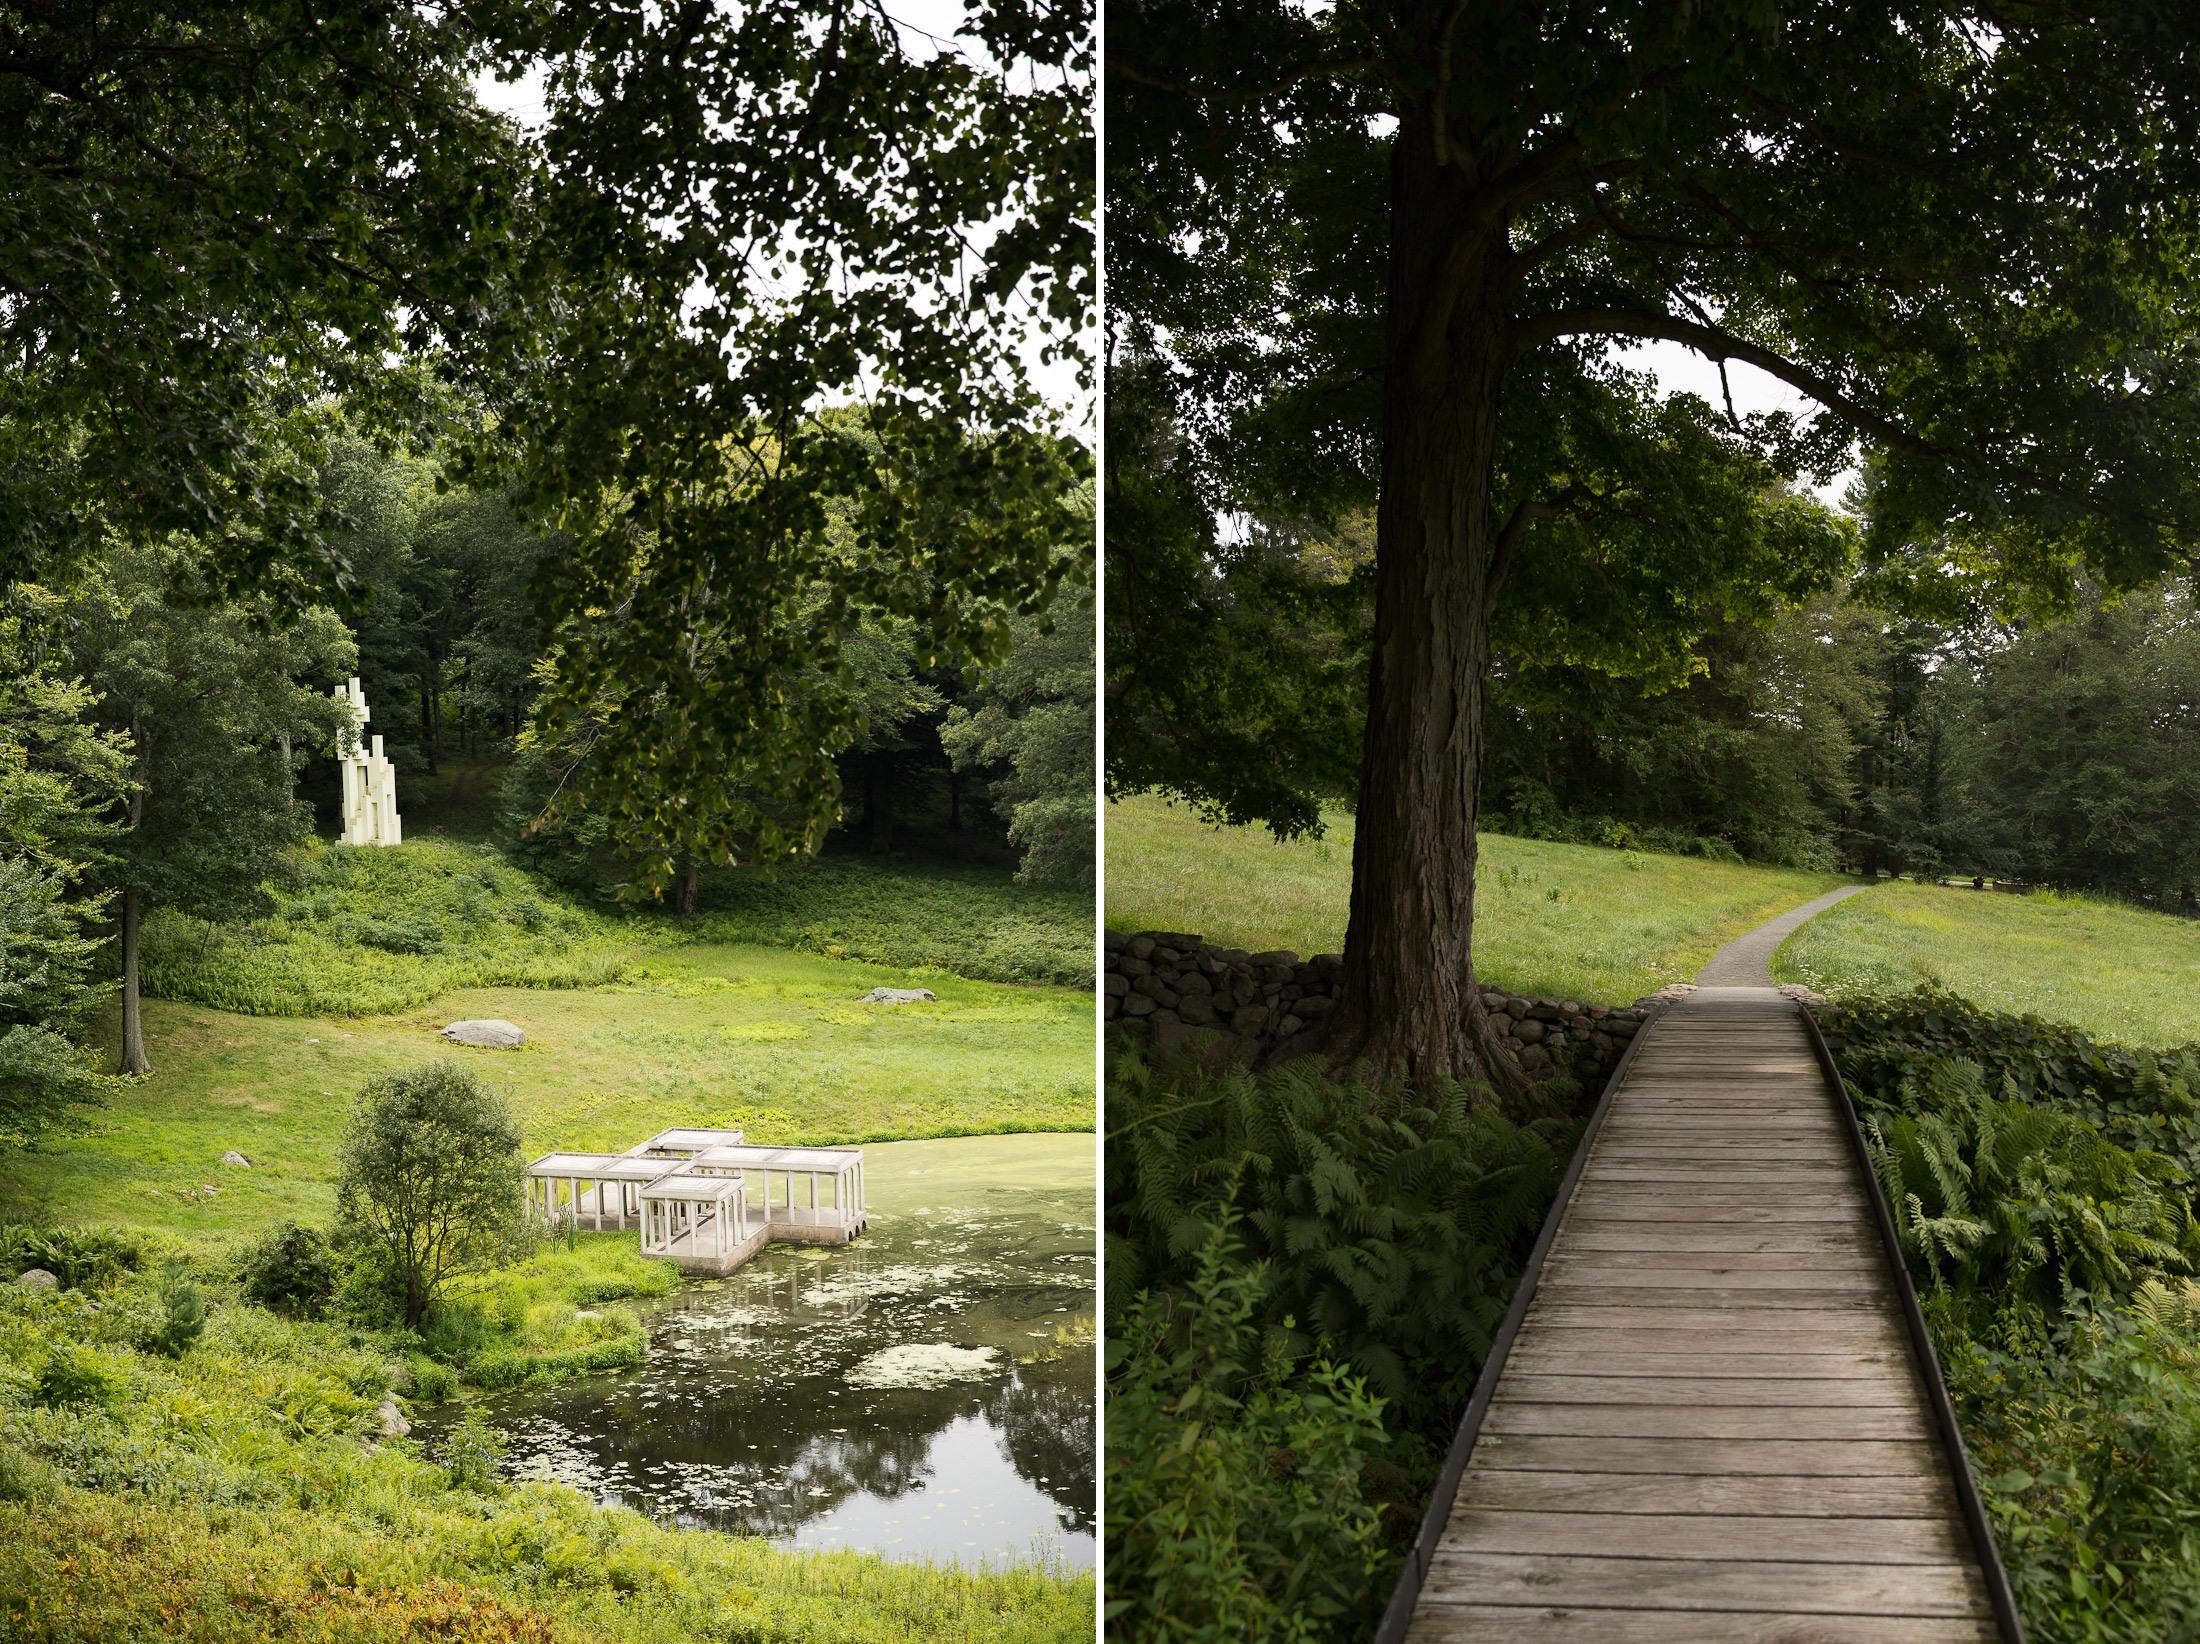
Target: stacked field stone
{"x": 1163, "y": 987}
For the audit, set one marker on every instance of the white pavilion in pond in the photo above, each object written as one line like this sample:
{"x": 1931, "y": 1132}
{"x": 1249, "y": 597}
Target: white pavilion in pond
{"x": 370, "y": 781}
{"x": 702, "y": 1198}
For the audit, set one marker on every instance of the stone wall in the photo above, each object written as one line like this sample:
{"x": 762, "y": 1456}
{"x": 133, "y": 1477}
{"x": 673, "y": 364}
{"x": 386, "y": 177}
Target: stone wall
{"x": 1163, "y": 987}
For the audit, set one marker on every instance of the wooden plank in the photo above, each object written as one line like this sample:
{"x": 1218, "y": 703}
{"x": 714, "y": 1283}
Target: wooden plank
{"x": 1472, "y": 1624}
{"x": 1643, "y": 1238}
{"x": 1864, "y": 1541}
{"x": 1599, "y": 1205}
{"x": 1642, "y": 1325}
{"x": 1650, "y": 1421}
{"x": 1809, "y": 1259}
{"x": 1703, "y": 1272}
{"x": 1879, "y": 1496}
{"x": 1723, "y": 1297}
{"x": 1536, "y": 1581}
{"x": 1759, "y": 1357}
{"x": 1758, "y": 1457}
{"x": 1711, "y": 1392}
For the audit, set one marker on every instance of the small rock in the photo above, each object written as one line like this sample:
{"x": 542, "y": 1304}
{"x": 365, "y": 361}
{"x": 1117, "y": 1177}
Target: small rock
{"x": 37, "y": 1278}
{"x": 208, "y": 1189}
{"x": 492, "y": 1035}
{"x": 401, "y": 1376}
{"x": 394, "y": 1424}
{"x": 233, "y": 1157}
{"x": 900, "y": 996}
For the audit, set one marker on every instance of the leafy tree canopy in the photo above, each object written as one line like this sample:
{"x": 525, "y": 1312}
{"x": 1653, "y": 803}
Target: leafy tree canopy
{"x": 1382, "y": 251}
{"x": 211, "y": 214}
{"x": 757, "y": 218}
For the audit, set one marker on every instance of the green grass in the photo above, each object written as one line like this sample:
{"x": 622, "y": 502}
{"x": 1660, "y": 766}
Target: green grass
{"x": 234, "y": 1495}
{"x": 2120, "y": 973}
{"x": 774, "y": 1041}
{"x": 1573, "y": 921}
{"x": 371, "y": 932}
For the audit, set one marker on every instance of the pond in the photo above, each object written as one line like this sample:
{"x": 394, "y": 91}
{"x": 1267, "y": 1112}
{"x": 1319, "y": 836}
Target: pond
{"x": 909, "y": 1394}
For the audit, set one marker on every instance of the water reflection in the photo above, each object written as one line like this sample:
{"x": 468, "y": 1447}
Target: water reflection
{"x": 904, "y": 1394}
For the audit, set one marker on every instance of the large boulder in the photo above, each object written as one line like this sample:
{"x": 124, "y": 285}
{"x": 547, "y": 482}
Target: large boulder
{"x": 492, "y": 1035}
{"x": 900, "y": 996}
{"x": 37, "y": 1278}
{"x": 233, "y": 1157}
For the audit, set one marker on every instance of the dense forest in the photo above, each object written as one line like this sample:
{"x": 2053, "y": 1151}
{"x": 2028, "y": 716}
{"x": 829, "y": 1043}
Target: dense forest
{"x": 165, "y": 744}
{"x": 1828, "y": 731}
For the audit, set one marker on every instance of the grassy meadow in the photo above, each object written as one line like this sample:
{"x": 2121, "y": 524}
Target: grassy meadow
{"x": 2121, "y": 973}
{"x": 776, "y": 1041}
{"x": 1574, "y": 921}
{"x": 243, "y": 1490}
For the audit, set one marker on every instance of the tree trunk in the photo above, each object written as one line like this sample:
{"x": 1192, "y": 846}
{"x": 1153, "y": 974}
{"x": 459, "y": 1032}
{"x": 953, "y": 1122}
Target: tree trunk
{"x": 954, "y": 800}
{"x": 878, "y": 801}
{"x": 691, "y": 888}
{"x": 1409, "y": 1003}
{"x": 431, "y": 731}
{"x": 133, "y": 1023}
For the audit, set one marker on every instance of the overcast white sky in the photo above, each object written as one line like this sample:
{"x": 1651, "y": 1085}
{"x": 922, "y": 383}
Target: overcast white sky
{"x": 1681, "y": 370}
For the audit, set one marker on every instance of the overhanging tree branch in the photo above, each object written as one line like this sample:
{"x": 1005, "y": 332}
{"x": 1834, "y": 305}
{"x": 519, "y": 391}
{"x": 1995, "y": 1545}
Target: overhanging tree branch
{"x": 1318, "y": 68}
{"x": 1714, "y": 344}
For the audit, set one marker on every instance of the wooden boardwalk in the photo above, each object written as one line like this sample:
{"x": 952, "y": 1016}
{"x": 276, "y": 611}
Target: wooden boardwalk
{"x": 1712, "y": 1422}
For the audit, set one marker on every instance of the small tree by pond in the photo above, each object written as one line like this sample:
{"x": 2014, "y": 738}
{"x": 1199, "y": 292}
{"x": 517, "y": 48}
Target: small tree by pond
{"x": 430, "y": 1178}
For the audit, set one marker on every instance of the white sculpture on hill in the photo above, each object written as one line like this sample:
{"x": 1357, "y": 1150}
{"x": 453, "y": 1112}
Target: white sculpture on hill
{"x": 370, "y": 781}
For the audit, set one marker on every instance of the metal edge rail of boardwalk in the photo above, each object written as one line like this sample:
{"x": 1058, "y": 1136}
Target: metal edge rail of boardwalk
{"x": 1407, "y": 1594}
{"x": 1999, "y": 1595}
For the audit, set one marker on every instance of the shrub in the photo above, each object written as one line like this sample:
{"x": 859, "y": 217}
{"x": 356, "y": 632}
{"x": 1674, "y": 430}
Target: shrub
{"x": 430, "y": 1174}
{"x": 473, "y": 1453}
{"x": 1304, "y": 1276}
{"x": 290, "y": 1270}
{"x": 454, "y": 1332}
{"x": 1234, "y": 1498}
{"x": 1395, "y": 1222}
{"x": 182, "y": 1316}
{"x": 432, "y": 1382}
{"x": 75, "y": 1375}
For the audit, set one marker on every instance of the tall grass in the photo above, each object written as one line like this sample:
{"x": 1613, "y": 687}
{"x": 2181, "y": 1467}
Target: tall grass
{"x": 373, "y": 932}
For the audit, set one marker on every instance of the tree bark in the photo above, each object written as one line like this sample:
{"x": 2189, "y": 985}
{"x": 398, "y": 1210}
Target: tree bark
{"x": 133, "y": 1023}
{"x": 691, "y": 888}
{"x": 878, "y": 801}
{"x": 1409, "y": 1004}
{"x": 431, "y": 728}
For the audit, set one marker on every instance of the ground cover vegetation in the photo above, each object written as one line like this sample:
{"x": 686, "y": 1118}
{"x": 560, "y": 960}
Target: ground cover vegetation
{"x": 2044, "y": 1189}
{"x": 1304, "y": 1276}
{"x": 243, "y": 1488}
{"x": 1567, "y": 921}
{"x": 1376, "y": 262}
